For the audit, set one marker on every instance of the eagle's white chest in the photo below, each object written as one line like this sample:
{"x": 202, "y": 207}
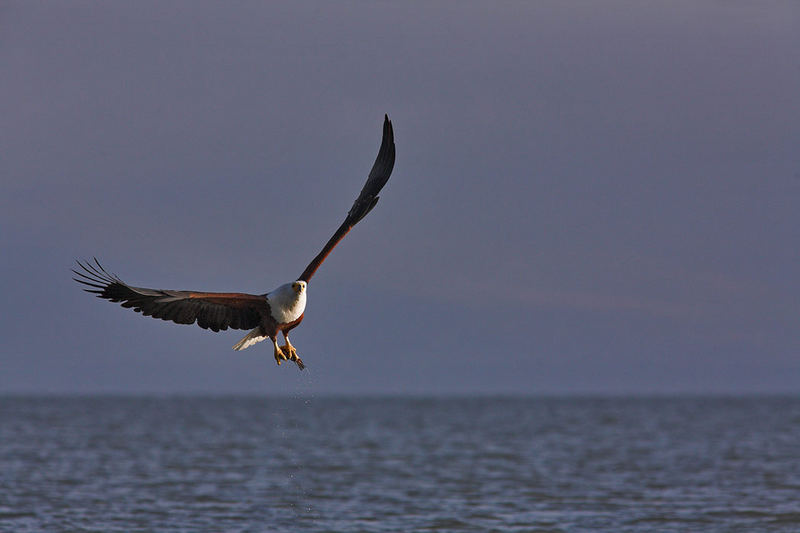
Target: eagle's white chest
{"x": 286, "y": 304}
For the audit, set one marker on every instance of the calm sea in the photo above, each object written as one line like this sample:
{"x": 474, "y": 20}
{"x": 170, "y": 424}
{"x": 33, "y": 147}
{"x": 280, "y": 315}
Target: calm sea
{"x": 369, "y": 464}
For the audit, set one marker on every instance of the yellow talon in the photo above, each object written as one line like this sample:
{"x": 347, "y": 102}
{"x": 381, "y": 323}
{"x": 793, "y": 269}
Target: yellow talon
{"x": 289, "y": 349}
{"x": 279, "y": 355}
{"x": 293, "y": 355}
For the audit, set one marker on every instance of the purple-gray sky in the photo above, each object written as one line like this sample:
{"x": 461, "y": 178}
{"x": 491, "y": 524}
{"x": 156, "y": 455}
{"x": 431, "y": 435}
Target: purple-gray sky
{"x": 588, "y": 196}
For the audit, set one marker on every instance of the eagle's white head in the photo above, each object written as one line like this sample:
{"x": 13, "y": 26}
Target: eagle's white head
{"x": 299, "y": 286}
{"x": 288, "y": 301}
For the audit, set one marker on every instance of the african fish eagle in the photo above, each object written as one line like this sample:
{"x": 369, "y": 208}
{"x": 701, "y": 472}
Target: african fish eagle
{"x": 278, "y": 311}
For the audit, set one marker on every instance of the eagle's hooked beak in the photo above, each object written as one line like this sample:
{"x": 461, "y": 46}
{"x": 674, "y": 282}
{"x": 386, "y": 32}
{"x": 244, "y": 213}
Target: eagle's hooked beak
{"x": 297, "y": 286}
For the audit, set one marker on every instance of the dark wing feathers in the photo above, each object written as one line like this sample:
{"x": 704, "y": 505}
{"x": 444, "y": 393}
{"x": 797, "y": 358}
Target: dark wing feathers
{"x": 378, "y": 176}
{"x": 366, "y": 200}
{"x": 211, "y": 310}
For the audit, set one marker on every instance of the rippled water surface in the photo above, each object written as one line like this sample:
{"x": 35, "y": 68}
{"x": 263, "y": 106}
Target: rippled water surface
{"x": 366, "y": 464}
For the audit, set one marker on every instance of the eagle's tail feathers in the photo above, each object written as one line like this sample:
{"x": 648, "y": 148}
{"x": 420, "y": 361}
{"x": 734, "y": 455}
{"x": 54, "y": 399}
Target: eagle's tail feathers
{"x": 257, "y": 335}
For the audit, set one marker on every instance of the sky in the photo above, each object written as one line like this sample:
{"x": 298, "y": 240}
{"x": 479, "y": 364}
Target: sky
{"x": 588, "y": 197}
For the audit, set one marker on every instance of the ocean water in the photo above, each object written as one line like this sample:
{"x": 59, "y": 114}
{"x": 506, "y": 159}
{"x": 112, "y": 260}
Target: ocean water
{"x": 381, "y": 464}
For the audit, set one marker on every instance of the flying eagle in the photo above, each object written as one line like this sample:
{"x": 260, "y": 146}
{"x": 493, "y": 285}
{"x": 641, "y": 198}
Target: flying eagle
{"x": 278, "y": 311}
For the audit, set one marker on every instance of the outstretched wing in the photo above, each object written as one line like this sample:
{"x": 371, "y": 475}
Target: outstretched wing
{"x": 378, "y": 177}
{"x": 212, "y": 310}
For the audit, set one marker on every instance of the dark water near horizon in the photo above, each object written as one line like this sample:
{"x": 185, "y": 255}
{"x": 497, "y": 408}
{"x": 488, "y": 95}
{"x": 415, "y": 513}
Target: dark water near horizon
{"x": 368, "y": 464}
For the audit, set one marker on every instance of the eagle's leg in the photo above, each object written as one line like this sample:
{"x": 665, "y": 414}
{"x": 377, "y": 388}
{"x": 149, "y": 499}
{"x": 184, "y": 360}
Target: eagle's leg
{"x": 288, "y": 348}
{"x": 279, "y": 355}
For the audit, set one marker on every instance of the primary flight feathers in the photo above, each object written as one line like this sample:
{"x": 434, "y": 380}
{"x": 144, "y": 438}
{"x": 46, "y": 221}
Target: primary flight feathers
{"x": 277, "y": 311}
